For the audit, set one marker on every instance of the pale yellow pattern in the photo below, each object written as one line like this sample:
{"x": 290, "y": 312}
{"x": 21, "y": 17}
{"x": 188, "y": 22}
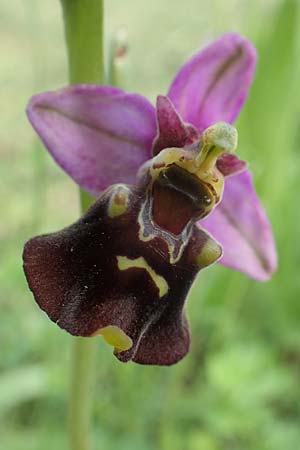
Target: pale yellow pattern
{"x": 116, "y": 337}
{"x": 146, "y": 238}
{"x": 210, "y": 252}
{"x": 119, "y": 201}
{"x": 125, "y": 263}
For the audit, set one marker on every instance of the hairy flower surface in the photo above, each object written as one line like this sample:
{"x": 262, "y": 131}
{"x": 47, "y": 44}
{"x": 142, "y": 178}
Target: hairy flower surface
{"x": 172, "y": 199}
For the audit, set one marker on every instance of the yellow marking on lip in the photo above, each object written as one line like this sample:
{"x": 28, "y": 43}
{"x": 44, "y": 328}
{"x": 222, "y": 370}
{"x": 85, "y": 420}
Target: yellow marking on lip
{"x": 116, "y": 337}
{"x": 125, "y": 263}
{"x": 118, "y": 202}
{"x": 210, "y": 252}
{"x": 157, "y": 231}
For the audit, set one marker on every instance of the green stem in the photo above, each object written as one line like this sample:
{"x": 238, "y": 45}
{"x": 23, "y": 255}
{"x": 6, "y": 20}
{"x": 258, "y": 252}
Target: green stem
{"x": 83, "y": 22}
{"x": 81, "y": 387}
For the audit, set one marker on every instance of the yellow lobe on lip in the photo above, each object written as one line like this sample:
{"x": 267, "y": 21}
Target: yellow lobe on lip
{"x": 125, "y": 263}
{"x": 119, "y": 201}
{"x": 116, "y": 337}
{"x": 209, "y": 253}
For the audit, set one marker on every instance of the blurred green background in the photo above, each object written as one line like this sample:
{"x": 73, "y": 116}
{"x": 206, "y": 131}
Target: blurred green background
{"x": 239, "y": 387}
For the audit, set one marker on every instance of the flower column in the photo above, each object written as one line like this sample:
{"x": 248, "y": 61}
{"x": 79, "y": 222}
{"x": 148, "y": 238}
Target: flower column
{"x": 83, "y": 22}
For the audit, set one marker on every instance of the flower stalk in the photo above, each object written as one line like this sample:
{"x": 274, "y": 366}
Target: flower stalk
{"x": 83, "y": 23}
{"x": 81, "y": 384}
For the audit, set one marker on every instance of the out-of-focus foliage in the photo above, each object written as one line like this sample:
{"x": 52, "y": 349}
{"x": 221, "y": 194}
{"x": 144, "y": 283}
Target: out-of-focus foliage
{"x": 239, "y": 387}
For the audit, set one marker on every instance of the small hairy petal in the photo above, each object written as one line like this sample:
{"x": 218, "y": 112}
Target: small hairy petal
{"x": 172, "y": 131}
{"x": 240, "y": 224}
{"x": 213, "y": 85}
{"x": 229, "y": 164}
{"x": 99, "y": 135}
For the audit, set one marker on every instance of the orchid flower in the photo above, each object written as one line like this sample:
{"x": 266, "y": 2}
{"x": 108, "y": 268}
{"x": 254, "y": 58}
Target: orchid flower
{"x": 172, "y": 198}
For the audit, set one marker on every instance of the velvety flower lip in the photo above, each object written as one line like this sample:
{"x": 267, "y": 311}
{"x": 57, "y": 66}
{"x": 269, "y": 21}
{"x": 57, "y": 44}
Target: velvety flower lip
{"x": 97, "y": 277}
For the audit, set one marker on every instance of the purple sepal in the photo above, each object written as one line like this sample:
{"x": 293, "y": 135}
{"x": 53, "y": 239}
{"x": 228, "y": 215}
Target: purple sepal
{"x": 241, "y": 226}
{"x": 99, "y": 135}
{"x": 213, "y": 85}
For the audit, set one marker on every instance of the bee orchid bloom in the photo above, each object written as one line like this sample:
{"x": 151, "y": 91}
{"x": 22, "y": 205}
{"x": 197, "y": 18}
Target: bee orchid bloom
{"x": 172, "y": 198}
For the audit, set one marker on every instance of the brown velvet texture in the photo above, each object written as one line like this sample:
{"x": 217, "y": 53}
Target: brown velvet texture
{"x": 75, "y": 278}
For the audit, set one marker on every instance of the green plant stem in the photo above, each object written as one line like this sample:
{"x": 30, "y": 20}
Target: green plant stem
{"x": 83, "y": 22}
{"x": 81, "y": 387}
